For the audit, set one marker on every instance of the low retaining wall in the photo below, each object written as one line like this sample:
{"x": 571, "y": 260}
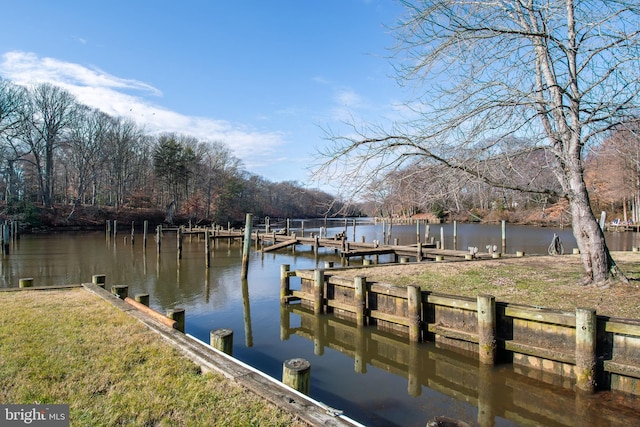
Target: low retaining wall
{"x": 570, "y": 349}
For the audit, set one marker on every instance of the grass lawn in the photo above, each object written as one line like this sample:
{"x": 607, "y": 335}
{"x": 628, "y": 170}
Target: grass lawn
{"x": 71, "y": 347}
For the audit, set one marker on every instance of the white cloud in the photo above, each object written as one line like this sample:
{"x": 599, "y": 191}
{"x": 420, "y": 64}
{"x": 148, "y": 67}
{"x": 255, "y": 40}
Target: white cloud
{"x": 98, "y": 89}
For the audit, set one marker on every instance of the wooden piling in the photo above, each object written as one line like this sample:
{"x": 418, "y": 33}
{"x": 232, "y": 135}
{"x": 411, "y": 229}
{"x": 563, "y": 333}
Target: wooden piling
{"x": 207, "y": 248}
{"x": 414, "y": 312}
{"x": 455, "y": 235}
{"x": 142, "y": 299}
{"x": 145, "y": 228}
{"x": 504, "y": 236}
{"x": 99, "y": 280}
{"x": 442, "y": 238}
{"x": 296, "y": 373}
{"x": 246, "y": 247}
{"x": 360, "y": 285}
{"x": 585, "y": 349}
{"x": 26, "y": 282}
{"x": 419, "y": 254}
{"x": 285, "y": 283}
{"x": 115, "y": 229}
{"x": 318, "y": 291}
{"x": 178, "y": 315}
{"x": 108, "y": 230}
{"x": 179, "y": 235}
{"x": 487, "y": 329}
{"x": 222, "y": 339}
{"x": 120, "y": 291}
{"x": 133, "y": 232}
{"x": 159, "y": 238}
{"x": 6, "y": 238}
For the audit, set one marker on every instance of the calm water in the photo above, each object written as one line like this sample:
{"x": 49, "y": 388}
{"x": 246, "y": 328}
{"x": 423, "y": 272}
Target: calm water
{"x": 374, "y": 378}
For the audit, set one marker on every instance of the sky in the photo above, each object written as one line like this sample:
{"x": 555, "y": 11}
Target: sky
{"x": 267, "y": 78}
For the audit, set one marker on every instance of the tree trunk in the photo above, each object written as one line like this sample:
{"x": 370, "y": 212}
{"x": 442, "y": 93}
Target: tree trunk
{"x": 596, "y": 259}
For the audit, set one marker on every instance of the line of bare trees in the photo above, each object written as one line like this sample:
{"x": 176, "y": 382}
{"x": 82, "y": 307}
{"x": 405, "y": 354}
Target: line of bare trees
{"x": 55, "y": 150}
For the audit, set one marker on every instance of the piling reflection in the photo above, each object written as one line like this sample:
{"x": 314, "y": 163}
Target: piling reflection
{"x": 500, "y": 392}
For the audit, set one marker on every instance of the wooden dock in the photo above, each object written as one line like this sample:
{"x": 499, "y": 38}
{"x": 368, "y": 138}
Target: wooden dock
{"x": 274, "y": 241}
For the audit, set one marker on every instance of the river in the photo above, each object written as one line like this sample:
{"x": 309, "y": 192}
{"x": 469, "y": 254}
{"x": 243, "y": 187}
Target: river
{"x": 374, "y": 378}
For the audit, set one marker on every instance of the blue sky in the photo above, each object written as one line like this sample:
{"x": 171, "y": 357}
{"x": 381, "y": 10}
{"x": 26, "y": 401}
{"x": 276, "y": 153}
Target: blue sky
{"x": 265, "y": 77}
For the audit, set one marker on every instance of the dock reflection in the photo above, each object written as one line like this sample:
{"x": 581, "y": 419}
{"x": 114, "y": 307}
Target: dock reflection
{"x": 504, "y": 391}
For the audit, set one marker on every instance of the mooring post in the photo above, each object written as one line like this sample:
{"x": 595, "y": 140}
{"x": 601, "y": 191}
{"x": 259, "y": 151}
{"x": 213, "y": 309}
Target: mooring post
{"x": 360, "y": 285}
{"x": 246, "y": 246}
{"x": 318, "y": 291}
{"x": 115, "y": 229}
{"x": 26, "y": 282}
{"x": 418, "y": 231}
{"x": 99, "y": 280}
{"x": 142, "y": 299}
{"x": 487, "y": 329}
{"x": 296, "y": 373}
{"x": 442, "y": 238}
{"x": 179, "y": 241}
{"x": 145, "y": 229}
{"x": 222, "y": 339}
{"x": 285, "y": 283}
{"x": 585, "y": 349}
{"x": 455, "y": 235}
{"x": 159, "y": 238}
{"x": 6, "y": 237}
{"x": 120, "y": 291}
{"x": 207, "y": 248}
{"x": 108, "y": 230}
{"x": 178, "y": 315}
{"x": 504, "y": 236}
{"x": 419, "y": 254}
{"x": 414, "y": 311}
{"x": 133, "y": 231}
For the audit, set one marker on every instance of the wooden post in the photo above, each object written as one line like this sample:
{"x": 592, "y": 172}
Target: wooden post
{"x": 585, "y": 349}
{"x": 354, "y": 230}
{"x": 159, "y": 237}
{"x": 442, "y": 238}
{"x": 419, "y": 254}
{"x": 207, "y": 248}
{"x": 179, "y": 241}
{"x": 487, "y": 329}
{"x": 455, "y": 235}
{"x": 285, "y": 283}
{"x": 120, "y": 291}
{"x": 145, "y": 229}
{"x": 133, "y": 231}
{"x": 108, "y": 230}
{"x": 26, "y": 282}
{"x": 318, "y": 291}
{"x": 115, "y": 229}
{"x": 504, "y": 236}
{"x": 222, "y": 339}
{"x": 99, "y": 280}
{"x": 418, "y": 231}
{"x": 178, "y": 315}
{"x": 246, "y": 247}
{"x": 360, "y": 284}
{"x": 142, "y": 299}
{"x": 296, "y": 373}
{"x": 6, "y": 238}
{"x": 414, "y": 312}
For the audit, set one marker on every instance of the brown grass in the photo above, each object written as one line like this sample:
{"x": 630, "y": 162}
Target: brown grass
{"x": 70, "y": 347}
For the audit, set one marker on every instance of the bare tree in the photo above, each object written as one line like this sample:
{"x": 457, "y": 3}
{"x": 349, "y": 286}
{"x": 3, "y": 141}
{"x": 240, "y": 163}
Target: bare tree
{"x": 555, "y": 73}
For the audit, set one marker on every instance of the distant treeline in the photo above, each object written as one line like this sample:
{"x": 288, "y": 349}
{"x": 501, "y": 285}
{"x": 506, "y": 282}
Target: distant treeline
{"x": 55, "y": 150}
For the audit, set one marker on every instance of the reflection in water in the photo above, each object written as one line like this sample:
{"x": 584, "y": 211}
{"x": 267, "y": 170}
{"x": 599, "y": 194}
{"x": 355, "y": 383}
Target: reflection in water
{"x": 373, "y": 377}
{"x": 499, "y": 393}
